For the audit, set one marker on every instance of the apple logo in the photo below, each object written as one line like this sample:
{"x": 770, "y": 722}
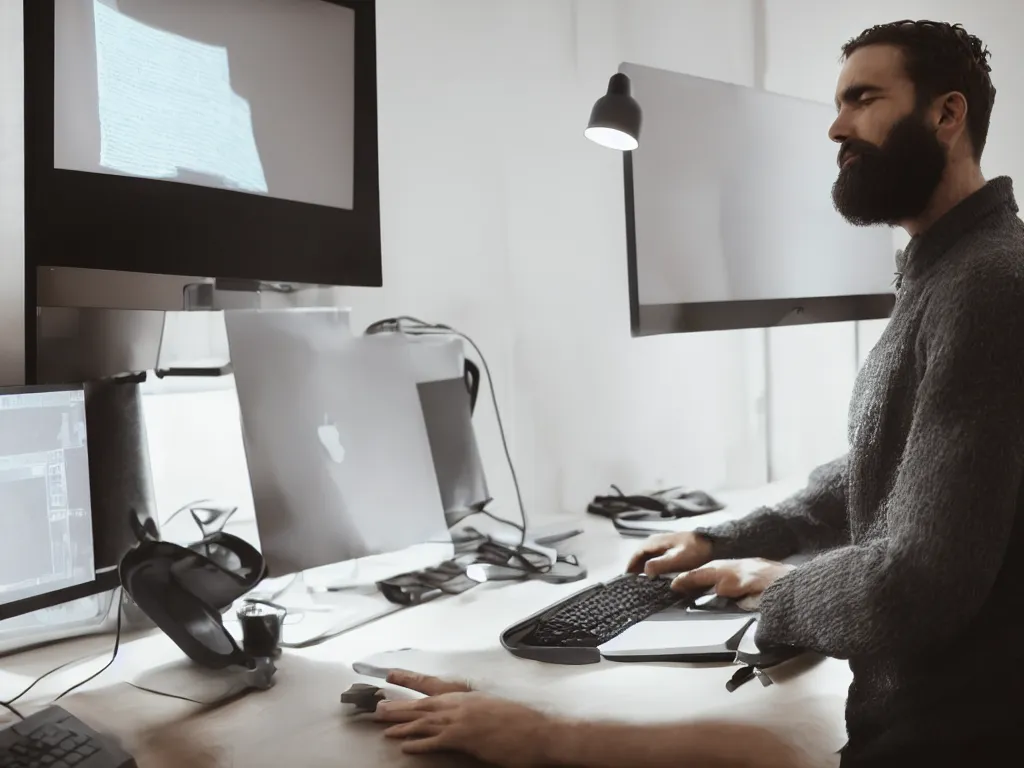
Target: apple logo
{"x": 330, "y": 439}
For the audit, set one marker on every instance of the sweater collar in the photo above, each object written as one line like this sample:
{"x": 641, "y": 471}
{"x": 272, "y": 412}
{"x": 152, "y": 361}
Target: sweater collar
{"x": 925, "y": 249}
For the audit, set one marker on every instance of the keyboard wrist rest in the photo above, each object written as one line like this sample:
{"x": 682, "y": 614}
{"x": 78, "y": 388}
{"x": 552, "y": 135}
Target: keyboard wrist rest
{"x": 511, "y": 638}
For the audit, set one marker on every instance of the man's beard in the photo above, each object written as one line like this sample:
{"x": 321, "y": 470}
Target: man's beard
{"x": 893, "y": 182}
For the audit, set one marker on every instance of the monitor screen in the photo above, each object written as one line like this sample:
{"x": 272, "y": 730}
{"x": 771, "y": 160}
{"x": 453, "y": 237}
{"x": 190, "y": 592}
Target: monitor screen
{"x": 232, "y": 139}
{"x": 229, "y": 94}
{"x": 448, "y": 415}
{"x": 730, "y": 222}
{"x": 46, "y": 531}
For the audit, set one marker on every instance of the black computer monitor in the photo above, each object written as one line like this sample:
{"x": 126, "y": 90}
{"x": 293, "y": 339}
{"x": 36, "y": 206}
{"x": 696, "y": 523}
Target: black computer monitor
{"x": 228, "y": 139}
{"x": 47, "y": 551}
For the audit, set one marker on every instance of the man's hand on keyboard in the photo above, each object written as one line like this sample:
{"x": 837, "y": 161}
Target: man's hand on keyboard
{"x": 670, "y": 553}
{"x": 732, "y": 578}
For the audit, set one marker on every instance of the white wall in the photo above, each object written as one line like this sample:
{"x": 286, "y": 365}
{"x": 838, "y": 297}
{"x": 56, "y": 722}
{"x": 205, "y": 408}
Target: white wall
{"x": 500, "y": 219}
{"x": 12, "y": 195}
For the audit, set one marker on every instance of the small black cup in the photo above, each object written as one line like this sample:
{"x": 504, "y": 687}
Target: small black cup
{"x": 261, "y": 629}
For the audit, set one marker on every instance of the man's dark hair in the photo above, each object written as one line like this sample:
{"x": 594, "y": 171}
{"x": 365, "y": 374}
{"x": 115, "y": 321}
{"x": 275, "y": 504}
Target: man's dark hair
{"x": 940, "y": 58}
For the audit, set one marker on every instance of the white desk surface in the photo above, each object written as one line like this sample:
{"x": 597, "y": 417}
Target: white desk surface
{"x": 301, "y": 722}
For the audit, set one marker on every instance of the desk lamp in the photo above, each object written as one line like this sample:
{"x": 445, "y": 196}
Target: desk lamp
{"x": 616, "y": 117}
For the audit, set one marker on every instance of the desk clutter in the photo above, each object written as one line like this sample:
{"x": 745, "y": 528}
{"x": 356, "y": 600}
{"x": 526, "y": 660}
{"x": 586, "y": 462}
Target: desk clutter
{"x": 639, "y": 515}
{"x": 310, "y": 401}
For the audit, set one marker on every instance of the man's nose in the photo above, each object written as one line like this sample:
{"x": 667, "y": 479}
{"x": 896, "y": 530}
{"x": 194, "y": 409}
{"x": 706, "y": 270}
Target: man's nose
{"x": 839, "y": 132}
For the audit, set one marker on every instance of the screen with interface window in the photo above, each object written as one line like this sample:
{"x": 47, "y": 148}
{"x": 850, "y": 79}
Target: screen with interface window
{"x": 255, "y": 96}
{"x": 46, "y": 537}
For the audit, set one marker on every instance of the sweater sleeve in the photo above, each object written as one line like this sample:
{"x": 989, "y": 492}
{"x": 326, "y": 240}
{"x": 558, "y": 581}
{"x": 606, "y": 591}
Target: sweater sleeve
{"x": 811, "y": 521}
{"x": 953, "y": 503}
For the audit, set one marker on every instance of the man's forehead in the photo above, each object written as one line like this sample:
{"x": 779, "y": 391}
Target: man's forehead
{"x": 876, "y": 66}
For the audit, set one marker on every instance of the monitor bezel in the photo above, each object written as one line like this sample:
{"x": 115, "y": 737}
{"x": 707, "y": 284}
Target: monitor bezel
{"x": 104, "y": 580}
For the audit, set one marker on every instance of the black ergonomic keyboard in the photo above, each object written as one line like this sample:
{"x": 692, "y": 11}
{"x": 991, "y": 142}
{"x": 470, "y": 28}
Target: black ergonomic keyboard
{"x": 54, "y": 738}
{"x": 570, "y": 631}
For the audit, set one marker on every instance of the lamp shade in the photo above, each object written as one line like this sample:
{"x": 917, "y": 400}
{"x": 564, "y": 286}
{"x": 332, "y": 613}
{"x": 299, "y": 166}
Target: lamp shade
{"x": 616, "y": 117}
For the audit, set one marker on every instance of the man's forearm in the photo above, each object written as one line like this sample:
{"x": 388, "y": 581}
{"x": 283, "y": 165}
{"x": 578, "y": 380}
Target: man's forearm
{"x": 708, "y": 744}
{"x": 813, "y": 520}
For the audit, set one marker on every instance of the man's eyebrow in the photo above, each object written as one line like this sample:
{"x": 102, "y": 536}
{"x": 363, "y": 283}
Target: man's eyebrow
{"x": 854, "y": 93}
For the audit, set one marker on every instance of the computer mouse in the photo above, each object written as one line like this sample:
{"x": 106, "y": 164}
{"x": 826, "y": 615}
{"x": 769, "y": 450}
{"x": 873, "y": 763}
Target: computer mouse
{"x": 712, "y": 603}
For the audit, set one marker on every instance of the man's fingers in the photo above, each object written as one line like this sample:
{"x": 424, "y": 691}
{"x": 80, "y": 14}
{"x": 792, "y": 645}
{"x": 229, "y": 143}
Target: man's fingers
{"x": 658, "y": 566}
{"x": 653, "y": 547}
{"x": 437, "y": 743}
{"x": 697, "y": 580}
{"x": 642, "y": 556}
{"x": 749, "y": 602}
{"x": 427, "y": 726}
{"x": 404, "y": 711}
{"x": 387, "y": 713}
{"x": 431, "y": 686}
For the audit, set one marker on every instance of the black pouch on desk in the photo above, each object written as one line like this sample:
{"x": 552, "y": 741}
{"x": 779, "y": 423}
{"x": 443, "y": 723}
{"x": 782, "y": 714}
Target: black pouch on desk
{"x": 666, "y": 504}
{"x": 183, "y": 590}
{"x": 415, "y": 587}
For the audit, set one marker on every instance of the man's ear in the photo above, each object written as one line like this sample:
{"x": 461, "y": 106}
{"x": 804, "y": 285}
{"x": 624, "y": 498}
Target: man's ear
{"x": 951, "y": 113}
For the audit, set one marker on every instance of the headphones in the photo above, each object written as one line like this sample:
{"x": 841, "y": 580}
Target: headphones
{"x": 184, "y": 591}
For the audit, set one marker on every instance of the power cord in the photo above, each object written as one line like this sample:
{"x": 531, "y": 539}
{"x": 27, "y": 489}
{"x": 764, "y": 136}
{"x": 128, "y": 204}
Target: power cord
{"x": 9, "y": 703}
{"x": 416, "y": 327}
{"x": 113, "y": 654}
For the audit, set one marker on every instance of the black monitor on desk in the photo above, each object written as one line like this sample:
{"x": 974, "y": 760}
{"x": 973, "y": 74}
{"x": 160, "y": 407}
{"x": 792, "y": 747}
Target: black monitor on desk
{"x": 47, "y": 536}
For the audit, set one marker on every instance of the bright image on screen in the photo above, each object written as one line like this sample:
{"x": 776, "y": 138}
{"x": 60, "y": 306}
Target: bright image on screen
{"x": 250, "y": 96}
{"x": 46, "y": 539}
{"x": 167, "y": 109}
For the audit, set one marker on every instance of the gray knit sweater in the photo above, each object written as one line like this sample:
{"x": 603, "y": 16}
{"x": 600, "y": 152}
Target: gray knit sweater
{"x": 920, "y": 580}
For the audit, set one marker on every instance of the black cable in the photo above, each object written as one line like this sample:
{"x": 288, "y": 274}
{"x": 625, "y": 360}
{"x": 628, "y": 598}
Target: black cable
{"x": 503, "y": 521}
{"x": 164, "y": 693}
{"x": 422, "y": 328}
{"x": 39, "y": 679}
{"x": 10, "y": 708}
{"x": 113, "y": 655}
{"x": 117, "y": 642}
